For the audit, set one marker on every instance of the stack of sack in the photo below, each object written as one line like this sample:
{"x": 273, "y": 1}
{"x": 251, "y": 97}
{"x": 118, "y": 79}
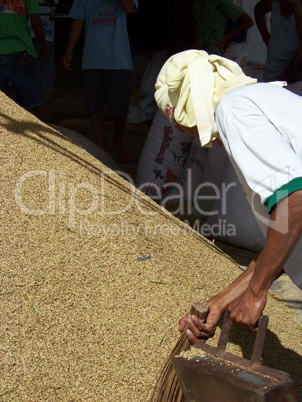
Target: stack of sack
{"x": 171, "y": 164}
{"x": 175, "y": 171}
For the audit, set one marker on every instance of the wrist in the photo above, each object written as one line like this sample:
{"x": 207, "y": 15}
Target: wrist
{"x": 259, "y": 290}
{"x": 221, "y": 301}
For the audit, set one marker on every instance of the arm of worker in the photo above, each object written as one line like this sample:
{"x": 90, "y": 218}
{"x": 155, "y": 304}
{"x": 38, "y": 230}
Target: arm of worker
{"x": 246, "y": 297}
{"x": 128, "y": 6}
{"x": 244, "y": 23}
{"x": 196, "y": 331}
{"x": 38, "y": 29}
{"x": 260, "y": 11}
{"x": 247, "y": 308}
{"x": 75, "y": 32}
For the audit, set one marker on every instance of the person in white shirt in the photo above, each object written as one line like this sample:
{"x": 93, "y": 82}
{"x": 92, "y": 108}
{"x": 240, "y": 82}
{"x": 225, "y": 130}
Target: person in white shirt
{"x": 282, "y": 37}
{"x": 259, "y": 126}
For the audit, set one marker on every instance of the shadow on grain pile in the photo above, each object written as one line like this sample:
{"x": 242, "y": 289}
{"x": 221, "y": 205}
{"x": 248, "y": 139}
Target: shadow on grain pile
{"x": 94, "y": 276}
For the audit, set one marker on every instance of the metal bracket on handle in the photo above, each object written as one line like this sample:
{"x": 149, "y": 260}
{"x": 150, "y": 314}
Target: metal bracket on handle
{"x": 259, "y": 340}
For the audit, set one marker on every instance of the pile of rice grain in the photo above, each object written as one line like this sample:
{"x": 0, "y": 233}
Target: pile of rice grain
{"x": 94, "y": 276}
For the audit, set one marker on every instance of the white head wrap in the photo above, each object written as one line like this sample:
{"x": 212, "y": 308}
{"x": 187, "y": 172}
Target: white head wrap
{"x": 190, "y": 85}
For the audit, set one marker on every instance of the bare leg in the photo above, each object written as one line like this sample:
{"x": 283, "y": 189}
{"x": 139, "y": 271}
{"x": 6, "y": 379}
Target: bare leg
{"x": 98, "y": 121}
{"x": 41, "y": 113}
{"x": 293, "y": 72}
{"x": 118, "y": 146}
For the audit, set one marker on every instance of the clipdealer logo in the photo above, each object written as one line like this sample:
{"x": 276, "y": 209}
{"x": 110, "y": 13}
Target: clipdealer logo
{"x": 62, "y": 196}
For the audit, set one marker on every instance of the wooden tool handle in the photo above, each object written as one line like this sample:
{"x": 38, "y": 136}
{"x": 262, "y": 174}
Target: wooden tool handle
{"x": 200, "y": 310}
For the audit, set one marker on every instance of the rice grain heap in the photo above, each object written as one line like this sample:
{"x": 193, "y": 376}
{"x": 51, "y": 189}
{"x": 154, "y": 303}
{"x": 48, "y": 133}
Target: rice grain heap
{"x": 95, "y": 275}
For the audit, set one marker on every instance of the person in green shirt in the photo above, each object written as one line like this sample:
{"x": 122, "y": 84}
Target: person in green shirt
{"x": 210, "y": 20}
{"x": 18, "y": 58}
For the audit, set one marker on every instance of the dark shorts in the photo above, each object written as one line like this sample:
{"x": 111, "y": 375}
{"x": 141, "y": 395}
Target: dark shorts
{"x": 107, "y": 88}
{"x": 23, "y": 71}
